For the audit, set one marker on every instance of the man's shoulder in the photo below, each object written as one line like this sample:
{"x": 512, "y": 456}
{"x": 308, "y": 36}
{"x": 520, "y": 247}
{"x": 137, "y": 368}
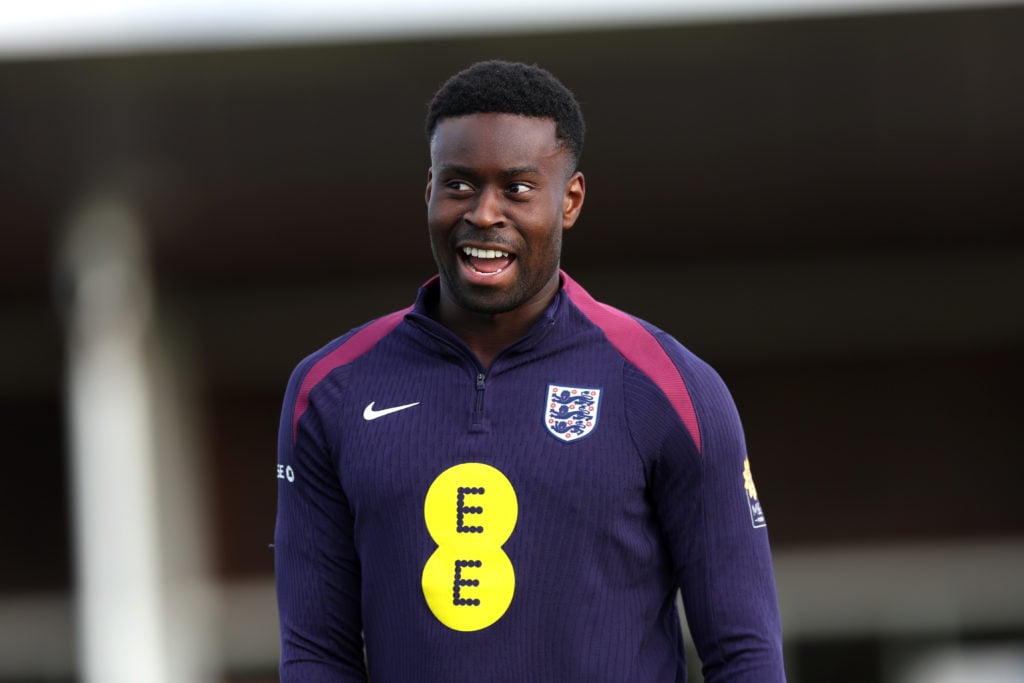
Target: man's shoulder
{"x": 658, "y": 357}
{"x": 332, "y": 359}
{"x": 632, "y": 335}
{"x": 348, "y": 347}
{"x": 636, "y": 338}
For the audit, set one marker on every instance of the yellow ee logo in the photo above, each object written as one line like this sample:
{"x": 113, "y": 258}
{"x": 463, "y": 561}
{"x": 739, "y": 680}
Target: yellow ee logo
{"x": 470, "y": 511}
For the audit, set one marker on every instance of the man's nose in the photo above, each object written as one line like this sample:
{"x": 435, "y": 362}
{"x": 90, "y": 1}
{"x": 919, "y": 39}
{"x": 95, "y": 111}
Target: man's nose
{"x": 487, "y": 211}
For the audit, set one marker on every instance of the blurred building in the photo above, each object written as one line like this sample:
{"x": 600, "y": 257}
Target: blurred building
{"x": 824, "y": 206}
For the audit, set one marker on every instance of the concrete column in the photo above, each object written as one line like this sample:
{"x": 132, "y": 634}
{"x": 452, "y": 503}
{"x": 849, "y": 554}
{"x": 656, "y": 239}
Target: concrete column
{"x": 143, "y": 612}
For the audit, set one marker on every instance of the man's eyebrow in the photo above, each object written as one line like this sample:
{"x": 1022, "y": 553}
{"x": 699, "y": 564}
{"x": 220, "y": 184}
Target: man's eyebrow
{"x": 522, "y": 170}
{"x": 456, "y": 169}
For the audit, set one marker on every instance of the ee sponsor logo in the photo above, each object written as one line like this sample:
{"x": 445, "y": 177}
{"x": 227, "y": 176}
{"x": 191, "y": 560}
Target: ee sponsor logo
{"x": 285, "y": 472}
{"x": 470, "y": 511}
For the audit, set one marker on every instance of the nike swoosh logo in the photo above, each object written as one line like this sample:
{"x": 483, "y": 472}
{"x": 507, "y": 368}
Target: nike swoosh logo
{"x": 370, "y": 414}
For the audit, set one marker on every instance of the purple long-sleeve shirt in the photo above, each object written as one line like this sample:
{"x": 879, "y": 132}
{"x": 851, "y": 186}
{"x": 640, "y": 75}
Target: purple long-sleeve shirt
{"x": 528, "y": 522}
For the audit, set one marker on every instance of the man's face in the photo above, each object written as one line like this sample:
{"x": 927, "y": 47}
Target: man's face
{"x": 499, "y": 194}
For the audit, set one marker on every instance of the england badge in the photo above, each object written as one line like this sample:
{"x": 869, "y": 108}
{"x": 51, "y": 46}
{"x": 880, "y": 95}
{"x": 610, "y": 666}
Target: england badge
{"x": 570, "y": 413}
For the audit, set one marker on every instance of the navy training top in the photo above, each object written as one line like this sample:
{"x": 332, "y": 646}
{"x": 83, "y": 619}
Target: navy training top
{"x": 529, "y": 522}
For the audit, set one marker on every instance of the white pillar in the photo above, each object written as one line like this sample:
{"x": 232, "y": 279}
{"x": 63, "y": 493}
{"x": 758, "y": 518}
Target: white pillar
{"x": 136, "y": 503}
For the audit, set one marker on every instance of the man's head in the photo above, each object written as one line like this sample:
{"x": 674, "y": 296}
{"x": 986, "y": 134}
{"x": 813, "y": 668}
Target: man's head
{"x": 501, "y": 189}
{"x": 501, "y": 87}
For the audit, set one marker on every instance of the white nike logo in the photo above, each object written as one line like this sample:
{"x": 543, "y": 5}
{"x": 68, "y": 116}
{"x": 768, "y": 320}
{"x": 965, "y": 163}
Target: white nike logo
{"x": 370, "y": 414}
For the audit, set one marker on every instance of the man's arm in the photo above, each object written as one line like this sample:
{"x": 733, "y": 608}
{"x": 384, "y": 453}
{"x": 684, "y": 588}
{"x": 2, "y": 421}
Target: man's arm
{"x": 317, "y": 569}
{"x": 712, "y": 518}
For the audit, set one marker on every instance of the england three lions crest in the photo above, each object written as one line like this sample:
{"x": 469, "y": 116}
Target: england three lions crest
{"x": 570, "y": 413}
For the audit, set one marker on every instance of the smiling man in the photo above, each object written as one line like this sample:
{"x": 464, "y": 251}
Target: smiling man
{"x": 500, "y": 191}
{"x": 508, "y": 480}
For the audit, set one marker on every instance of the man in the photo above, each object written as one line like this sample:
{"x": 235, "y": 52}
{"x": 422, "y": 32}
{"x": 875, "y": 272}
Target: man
{"x": 509, "y": 481}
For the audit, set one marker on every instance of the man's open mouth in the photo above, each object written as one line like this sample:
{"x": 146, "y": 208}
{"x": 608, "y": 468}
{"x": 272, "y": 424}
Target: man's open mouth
{"x": 486, "y": 261}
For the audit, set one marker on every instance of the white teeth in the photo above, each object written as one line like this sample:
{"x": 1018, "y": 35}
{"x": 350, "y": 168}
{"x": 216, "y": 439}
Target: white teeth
{"x": 484, "y": 253}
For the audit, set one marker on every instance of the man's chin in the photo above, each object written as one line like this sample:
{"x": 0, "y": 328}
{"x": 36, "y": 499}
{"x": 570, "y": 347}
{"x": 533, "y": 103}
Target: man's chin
{"x": 486, "y": 299}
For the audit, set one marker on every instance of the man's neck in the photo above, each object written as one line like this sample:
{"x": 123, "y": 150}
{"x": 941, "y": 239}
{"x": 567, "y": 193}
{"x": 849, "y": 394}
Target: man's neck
{"x": 488, "y": 334}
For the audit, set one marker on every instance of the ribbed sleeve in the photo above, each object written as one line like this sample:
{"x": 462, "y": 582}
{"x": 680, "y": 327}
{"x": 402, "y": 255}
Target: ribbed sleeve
{"x": 720, "y": 552}
{"x": 316, "y": 564}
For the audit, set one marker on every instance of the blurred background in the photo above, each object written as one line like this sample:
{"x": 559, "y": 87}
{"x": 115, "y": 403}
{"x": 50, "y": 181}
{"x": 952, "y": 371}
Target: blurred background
{"x": 822, "y": 199}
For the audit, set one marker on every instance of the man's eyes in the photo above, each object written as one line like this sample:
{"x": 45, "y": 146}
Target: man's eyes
{"x": 511, "y": 188}
{"x": 518, "y": 188}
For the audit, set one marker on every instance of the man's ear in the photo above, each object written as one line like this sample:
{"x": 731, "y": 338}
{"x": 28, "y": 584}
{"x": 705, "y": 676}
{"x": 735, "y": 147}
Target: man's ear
{"x": 572, "y": 201}
{"x": 430, "y": 182}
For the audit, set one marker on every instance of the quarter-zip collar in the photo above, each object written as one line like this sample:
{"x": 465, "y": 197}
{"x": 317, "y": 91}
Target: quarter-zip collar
{"x": 423, "y": 317}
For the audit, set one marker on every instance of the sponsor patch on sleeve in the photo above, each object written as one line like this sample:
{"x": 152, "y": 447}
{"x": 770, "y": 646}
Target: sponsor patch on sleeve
{"x": 756, "y": 513}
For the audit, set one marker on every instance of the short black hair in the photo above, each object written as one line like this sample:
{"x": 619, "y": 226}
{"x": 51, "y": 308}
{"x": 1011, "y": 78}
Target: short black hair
{"x": 500, "y": 87}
